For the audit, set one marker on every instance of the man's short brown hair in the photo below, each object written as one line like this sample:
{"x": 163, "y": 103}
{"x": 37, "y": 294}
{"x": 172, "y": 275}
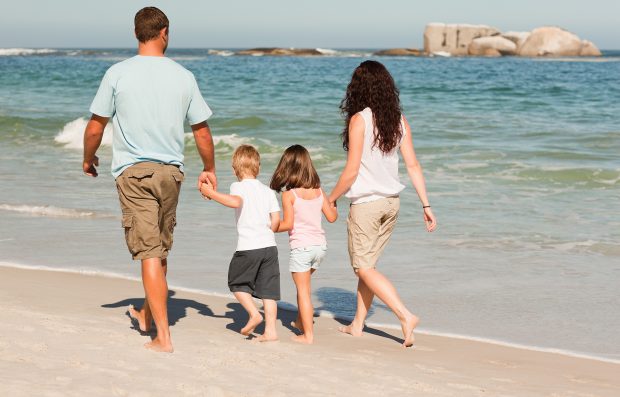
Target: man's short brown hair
{"x": 246, "y": 161}
{"x": 148, "y": 22}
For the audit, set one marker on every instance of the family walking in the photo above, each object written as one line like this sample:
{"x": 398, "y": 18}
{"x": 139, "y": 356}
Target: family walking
{"x": 149, "y": 97}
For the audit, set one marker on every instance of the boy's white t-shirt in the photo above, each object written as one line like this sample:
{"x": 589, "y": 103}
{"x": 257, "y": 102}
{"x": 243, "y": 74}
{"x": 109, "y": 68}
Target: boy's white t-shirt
{"x": 253, "y": 217}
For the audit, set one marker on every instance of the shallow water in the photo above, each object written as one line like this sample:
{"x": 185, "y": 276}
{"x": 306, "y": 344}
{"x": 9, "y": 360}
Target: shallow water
{"x": 520, "y": 157}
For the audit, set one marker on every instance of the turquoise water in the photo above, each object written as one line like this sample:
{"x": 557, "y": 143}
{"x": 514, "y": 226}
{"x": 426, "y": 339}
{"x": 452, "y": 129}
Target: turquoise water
{"x": 520, "y": 156}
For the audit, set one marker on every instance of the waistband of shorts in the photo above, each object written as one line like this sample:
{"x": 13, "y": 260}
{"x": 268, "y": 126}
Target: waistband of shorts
{"x": 151, "y": 164}
{"x": 377, "y": 198}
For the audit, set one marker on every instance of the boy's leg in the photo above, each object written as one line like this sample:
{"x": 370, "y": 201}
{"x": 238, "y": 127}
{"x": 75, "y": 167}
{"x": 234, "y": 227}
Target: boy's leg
{"x": 270, "y": 307}
{"x": 247, "y": 302}
{"x": 304, "y": 306}
{"x": 144, "y": 317}
{"x": 156, "y": 290}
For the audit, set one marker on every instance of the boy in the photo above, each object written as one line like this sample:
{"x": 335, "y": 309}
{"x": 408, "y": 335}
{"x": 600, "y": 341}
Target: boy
{"x": 254, "y": 269}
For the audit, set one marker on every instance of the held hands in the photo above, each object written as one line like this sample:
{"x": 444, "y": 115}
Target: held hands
{"x": 207, "y": 189}
{"x": 429, "y": 219}
{"x": 89, "y": 167}
{"x": 207, "y": 177}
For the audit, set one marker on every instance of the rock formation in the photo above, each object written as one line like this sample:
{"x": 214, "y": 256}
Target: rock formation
{"x": 454, "y": 38}
{"x": 492, "y": 46}
{"x": 551, "y": 41}
{"x": 396, "y": 52}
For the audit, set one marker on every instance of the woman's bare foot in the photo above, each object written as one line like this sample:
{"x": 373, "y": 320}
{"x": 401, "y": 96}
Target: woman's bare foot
{"x": 157, "y": 346}
{"x": 251, "y": 324}
{"x": 297, "y": 324}
{"x": 352, "y": 329}
{"x": 139, "y": 317}
{"x": 268, "y": 337}
{"x": 308, "y": 340}
{"x": 408, "y": 325}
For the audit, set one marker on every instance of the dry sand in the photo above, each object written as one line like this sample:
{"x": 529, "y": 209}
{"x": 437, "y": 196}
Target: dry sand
{"x": 64, "y": 334}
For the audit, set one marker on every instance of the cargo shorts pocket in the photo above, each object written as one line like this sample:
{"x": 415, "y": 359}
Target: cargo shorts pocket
{"x": 130, "y": 232}
{"x": 138, "y": 173}
{"x": 168, "y": 235}
{"x": 178, "y": 176}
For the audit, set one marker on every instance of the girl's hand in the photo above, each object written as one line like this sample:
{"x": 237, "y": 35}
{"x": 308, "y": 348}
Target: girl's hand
{"x": 429, "y": 219}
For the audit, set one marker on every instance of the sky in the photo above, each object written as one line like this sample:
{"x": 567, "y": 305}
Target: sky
{"x": 290, "y": 23}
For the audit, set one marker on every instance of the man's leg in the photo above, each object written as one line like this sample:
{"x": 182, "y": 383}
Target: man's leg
{"x": 156, "y": 290}
{"x": 143, "y": 316}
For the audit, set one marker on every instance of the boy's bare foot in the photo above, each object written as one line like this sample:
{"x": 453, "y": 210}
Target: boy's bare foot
{"x": 139, "y": 317}
{"x": 408, "y": 325}
{"x": 251, "y": 324}
{"x": 159, "y": 347}
{"x": 268, "y": 337}
{"x": 302, "y": 339}
{"x": 352, "y": 329}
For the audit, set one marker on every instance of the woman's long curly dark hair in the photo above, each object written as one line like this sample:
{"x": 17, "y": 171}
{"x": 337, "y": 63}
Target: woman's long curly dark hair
{"x": 372, "y": 86}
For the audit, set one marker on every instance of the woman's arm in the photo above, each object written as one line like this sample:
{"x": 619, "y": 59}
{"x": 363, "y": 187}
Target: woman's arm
{"x": 414, "y": 169}
{"x": 354, "y": 158}
{"x": 208, "y": 191}
{"x": 329, "y": 210}
{"x": 289, "y": 214}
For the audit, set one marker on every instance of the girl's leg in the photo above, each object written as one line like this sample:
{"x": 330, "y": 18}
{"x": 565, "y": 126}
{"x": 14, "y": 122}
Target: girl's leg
{"x": 304, "y": 305}
{"x": 248, "y": 304}
{"x": 379, "y": 285}
{"x": 364, "y": 300}
{"x": 270, "y": 307}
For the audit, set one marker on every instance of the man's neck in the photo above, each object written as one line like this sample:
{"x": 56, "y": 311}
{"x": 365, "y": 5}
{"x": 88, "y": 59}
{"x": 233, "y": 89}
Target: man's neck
{"x": 150, "y": 49}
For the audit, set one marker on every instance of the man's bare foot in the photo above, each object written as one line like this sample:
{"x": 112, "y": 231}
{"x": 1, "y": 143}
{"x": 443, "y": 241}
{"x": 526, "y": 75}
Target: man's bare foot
{"x": 351, "y": 329}
{"x": 159, "y": 347}
{"x": 251, "y": 324}
{"x": 268, "y": 336}
{"x": 302, "y": 339}
{"x": 139, "y": 317}
{"x": 408, "y": 325}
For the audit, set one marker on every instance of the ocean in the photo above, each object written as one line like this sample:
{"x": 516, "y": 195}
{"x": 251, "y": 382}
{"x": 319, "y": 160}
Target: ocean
{"x": 521, "y": 159}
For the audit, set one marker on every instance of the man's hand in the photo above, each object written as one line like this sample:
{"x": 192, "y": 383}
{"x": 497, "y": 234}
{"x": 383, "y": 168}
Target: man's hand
{"x": 206, "y": 188}
{"x": 207, "y": 177}
{"x": 89, "y": 167}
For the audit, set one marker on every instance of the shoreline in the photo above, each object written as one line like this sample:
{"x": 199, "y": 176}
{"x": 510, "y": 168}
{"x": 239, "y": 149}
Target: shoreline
{"x": 289, "y": 307}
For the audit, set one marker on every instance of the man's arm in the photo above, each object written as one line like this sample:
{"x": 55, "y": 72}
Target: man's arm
{"x": 92, "y": 139}
{"x": 204, "y": 144}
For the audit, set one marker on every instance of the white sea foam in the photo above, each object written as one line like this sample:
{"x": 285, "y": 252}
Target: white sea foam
{"x": 72, "y": 134}
{"x": 325, "y": 314}
{"x": 327, "y": 51}
{"x": 221, "y": 53}
{"x": 51, "y": 211}
{"x": 25, "y": 51}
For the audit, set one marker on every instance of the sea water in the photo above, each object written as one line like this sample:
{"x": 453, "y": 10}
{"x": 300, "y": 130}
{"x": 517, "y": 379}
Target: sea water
{"x": 521, "y": 159}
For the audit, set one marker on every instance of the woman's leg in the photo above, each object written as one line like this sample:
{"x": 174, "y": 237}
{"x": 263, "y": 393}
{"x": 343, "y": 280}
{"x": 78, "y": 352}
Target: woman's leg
{"x": 364, "y": 300}
{"x": 304, "y": 305}
{"x": 379, "y": 285}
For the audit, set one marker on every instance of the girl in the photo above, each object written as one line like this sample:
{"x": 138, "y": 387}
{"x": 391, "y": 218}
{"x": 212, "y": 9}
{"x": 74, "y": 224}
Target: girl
{"x": 303, "y": 201}
{"x": 374, "y": 132}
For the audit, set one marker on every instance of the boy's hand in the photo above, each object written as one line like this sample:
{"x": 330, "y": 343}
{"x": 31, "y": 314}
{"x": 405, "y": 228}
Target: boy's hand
{"x": 206, "y": 188}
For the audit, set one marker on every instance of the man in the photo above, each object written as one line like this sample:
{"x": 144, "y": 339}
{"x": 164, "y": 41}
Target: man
{"x": 148, "y": 97}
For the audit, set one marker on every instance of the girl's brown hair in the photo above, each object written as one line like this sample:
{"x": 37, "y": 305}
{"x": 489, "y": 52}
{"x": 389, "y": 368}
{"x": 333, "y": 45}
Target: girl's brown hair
{"x": 372, "y": 86}
{"x": 295, "y": 170}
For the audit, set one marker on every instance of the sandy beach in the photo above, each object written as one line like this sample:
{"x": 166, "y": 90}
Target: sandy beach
{"x": 67, "y": 334}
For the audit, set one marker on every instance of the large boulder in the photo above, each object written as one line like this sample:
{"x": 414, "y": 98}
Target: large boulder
{"x": 551, "y": 41}
{"x": 516, "y": 37}
{"x": 589, "y": 49}
{"x": 492, "y": 46}
{"x": 454, "y": 38}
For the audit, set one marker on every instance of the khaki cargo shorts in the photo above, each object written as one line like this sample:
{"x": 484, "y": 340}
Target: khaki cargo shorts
{"x": 370, "y": 226}
{"x": 149, "y": 193}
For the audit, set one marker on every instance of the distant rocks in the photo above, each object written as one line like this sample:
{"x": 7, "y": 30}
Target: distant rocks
{"x": 400, "y": 52}
{"x": 482, "y": 40}
{"x": 275, "y": 51}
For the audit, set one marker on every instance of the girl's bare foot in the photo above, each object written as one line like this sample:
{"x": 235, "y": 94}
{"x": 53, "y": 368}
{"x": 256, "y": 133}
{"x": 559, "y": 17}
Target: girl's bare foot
{"x": 268, "y": 336}
{"x": 308, "y": 340}
{"x": 157, "y": 346}
{"x": 139, "y": 317}
{"x": 352, "y": 329}
{"x": 408, "y": 325}
{"x": 251, "y": 324}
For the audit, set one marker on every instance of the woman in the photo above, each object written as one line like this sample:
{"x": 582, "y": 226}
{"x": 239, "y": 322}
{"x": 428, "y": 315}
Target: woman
{"x": 374, "y": 131}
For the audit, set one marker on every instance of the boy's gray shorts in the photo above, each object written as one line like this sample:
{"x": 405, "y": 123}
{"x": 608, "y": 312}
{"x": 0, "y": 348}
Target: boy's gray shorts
{"x": 256, "y": 272}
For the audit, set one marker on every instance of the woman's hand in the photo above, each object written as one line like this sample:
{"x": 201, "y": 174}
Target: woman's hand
{"x": 429, "y": 219}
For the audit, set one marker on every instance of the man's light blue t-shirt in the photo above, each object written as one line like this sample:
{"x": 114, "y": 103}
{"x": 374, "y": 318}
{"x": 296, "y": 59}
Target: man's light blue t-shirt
{"x": 148, "y": 98}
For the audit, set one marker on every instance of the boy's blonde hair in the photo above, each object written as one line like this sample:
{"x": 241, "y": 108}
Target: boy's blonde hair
{"x": 246, "y": 161}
